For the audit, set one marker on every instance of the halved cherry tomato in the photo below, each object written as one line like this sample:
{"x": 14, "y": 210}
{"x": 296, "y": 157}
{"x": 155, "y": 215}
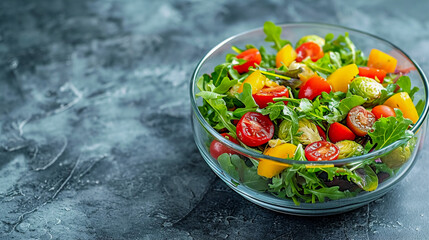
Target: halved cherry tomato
{"x": 252, "y": 56}
{"x": 309, "y": 49}
{"x": 383, "y": 111}
{"x": 321, "y": 151}
{"x": 360, "y": 120}
{"x": 314, "y": 87}
{"x": 255, "y": 129}
{"x": 217, "y": 148}
{"x": 266, "y": 95}
{"x": 372, "y": 73}
{"x": 321, "y": 132}
{"x": 338, "y": 132}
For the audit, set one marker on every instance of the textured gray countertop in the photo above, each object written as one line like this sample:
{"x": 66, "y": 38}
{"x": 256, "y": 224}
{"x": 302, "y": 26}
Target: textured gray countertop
{"x": 95, "y": 137}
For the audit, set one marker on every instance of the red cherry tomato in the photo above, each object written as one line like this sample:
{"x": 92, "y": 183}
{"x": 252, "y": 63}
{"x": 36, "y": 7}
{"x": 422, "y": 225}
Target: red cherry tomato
{"x": 360, "y": 120}
{"x": 266, "y": 95}
{"x": 321, "y": 151}
{"x": 217, "y": 148}
{"x": 252, "y": 57}
{"x": 314, "y": 87}
{"x": 309, "y": 49}
{"x": 372, "y": 73}
{"x": 255, "y": 129}
{"x": 383, "y": 111}
{"x": 338, "y": 132}
{"x": 321, "y": 132}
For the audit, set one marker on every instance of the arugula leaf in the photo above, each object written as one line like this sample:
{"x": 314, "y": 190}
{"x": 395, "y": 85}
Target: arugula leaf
{"x": 234, "y": 166}
{"x": 350, "y": 102}
{"x": 346, "y": 48}
{"x": 274, "y": 110}
{"x": 335, "y": 59}
{"x": 386, "y": 93}
{"x": 325, "y": 65}
{"x": 203, "y": 82}
{"x": 311, "y": 179}
{"x": 367, "y": 180}
{"x": 246, "y": 96}
{"x": 267, "y": 60}
{"x": 225, "y": 85}
{"x": 220, "y": 71}
{"x": 388, "y": 130}
{"x": 299, "y": 153}
{"x": 332, "y": 193}
{"x": 420, "y": 106}
{"x": 382, "y": 167}
{"x": 305, "y": 105}
{"x": 304, "y": 108}
{"x": 404, "y": 82}
{"x": 207, "y": 95}
{"x": 273, "y": 33}
{"x": 340, "y": 108}
{"x": 218, "y": 105}
{"x": 225, "y": 162}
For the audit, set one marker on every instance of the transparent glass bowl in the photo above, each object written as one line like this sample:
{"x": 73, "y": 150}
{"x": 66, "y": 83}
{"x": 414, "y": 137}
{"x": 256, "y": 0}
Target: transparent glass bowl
{"x": 204, "y": 134}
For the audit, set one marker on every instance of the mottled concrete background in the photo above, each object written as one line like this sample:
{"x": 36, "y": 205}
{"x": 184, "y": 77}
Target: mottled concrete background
{"x": 95, "y": 137}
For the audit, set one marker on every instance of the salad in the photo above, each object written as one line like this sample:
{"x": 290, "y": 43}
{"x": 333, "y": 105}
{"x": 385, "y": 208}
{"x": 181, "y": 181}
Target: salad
{"x": 320, "y": 99}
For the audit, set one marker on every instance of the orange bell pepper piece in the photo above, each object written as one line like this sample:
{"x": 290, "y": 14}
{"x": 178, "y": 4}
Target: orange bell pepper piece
{"x": 381, "y": 60}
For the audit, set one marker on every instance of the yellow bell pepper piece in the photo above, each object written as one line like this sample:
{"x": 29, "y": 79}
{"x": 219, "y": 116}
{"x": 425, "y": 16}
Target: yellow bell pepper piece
{"x": 270, "y": 83}
{"x": 342, "y": 77}
{"x": 268, "y": 168}
{"x": 256, "y": 80}
{"x": 381, "y": 60}
{"x": 285, "y": 56}
{"x": 403, "y": 102}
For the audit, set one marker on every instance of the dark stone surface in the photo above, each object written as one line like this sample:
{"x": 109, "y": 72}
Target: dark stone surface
{"x": 95, "y": 137}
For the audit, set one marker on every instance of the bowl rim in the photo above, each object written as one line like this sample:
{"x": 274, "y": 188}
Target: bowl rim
{"x": 256, "y": 155}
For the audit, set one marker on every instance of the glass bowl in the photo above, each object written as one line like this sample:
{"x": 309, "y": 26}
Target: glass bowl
{"x": 204, "y": 134}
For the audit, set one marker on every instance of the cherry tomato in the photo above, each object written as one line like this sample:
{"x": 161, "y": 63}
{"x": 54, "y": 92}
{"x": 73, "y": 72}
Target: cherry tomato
{"x": 383, "y": 111}
{"x": 338, "y": 132}
{"x": 309, "y": 49}
{"x": 217, "y": 148}
{"x": 314, "y": 87}
{"x": 252, "y": 57}
{"x": 255, "y": 129}
{"x": 321, "y": 151}
{"x": 266, "y": 95}
{"x": 360, "y": 120}
{"x": 372, "y": 73}
{"x": 321, "y": 132}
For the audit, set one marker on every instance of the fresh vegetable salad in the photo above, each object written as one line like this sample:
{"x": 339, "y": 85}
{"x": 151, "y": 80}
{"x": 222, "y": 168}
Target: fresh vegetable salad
{"x": 320, "y": 99}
